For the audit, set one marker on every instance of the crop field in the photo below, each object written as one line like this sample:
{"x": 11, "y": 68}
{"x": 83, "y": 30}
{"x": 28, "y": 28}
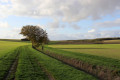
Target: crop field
{"x": 102, "y": 66}
{"x": 111, "y": 41}
{"x": 19, "y": 61}
{"x": 106, "y": 50}
{"x": 7, "y": 46}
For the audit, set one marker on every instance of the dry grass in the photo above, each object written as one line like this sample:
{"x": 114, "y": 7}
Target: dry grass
{"x": 111, "y": 41}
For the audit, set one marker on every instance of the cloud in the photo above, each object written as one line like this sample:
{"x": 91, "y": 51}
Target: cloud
{"x": 4, "y": 1}
{"x": 102, "y": 34}
{"x": 75, "y": 26}
{"x": 63, "y": 10}
{"x": 92, "y": 30}
{"x": 10, "y": 33}
{"x": 54, "y": 24}
{"x": 89, "y": 35}
{"x": 67, "y": 10}
{"x": 115, "y": 23}
{"x": 64, "y": 13}
{"x": 4, "y": 25}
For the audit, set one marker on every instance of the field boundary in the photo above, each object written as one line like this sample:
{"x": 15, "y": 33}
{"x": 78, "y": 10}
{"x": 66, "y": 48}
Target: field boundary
{"x": 97, "y": 71}
{"x": 67, "y": 63}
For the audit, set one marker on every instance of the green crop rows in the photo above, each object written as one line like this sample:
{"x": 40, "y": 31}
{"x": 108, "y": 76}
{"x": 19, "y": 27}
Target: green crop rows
{"x": 60, "y": 70}
{"x": 27, "y": 68}
{"x": 5, "y": 63}
{"x": 33, "y": 65}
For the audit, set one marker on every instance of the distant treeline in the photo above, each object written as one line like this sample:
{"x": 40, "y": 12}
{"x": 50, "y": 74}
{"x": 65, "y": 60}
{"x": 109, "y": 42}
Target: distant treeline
{"x": 114, "y": 40}
{"x": 87, "y": 41}
{"x": 15, "y": 40}
{"x": 100, "y": 39}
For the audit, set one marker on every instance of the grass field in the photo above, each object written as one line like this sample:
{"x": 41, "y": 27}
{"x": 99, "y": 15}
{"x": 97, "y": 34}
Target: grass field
{"x": 106, "y": 50}
{"x": 18, "y": 61}
{"x": 7, "y": 46}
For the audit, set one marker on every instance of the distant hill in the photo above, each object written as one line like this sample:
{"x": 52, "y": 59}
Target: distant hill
{"x": 115, "y": 40}
{"x": 14, "y": 40}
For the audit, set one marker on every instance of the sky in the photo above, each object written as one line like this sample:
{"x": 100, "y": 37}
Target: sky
{"x": 62, "y": 19}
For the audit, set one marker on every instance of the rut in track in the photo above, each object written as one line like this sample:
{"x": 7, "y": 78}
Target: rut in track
{"x": 11, "y": 72}
{"x": 50, "y": 76}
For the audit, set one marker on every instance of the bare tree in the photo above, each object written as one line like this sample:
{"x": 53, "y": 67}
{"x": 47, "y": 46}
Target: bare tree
{"x": 35, "y": 34}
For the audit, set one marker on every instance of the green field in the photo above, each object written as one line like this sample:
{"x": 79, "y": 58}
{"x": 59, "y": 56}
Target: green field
{"x": 7, "y": 46}
{"x": 104, "y": 66}
{"x": 106, "y": 50}
{"x": 19, "y": 61}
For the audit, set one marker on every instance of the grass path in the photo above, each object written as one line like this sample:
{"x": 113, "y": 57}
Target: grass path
{"x": 60, "y": 70}
{"x": 27, "y": 68}
{"x": 11, "y": 72}
{"x": 6, "y": 64}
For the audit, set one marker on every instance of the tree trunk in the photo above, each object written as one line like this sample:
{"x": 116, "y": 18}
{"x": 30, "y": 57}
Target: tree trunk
{"x": 33, "y": 45}
{"x": 42, "y": 47}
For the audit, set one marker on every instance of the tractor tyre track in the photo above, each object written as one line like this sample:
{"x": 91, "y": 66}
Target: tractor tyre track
{"x": 50, "y": 76}
{"x": 10, "y": 75}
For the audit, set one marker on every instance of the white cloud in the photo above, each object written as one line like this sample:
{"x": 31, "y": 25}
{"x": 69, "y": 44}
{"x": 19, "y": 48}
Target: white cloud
{"x": 92, "y": 35}
{"x": 75, "y": 26}
{"x": 115, "y": 23}
{"x": 10, "y": 33}
{"x": 67, "y": 10}
{"x": 4, "y": 1}
{"x": 54, "y": 24}
{"x": 92, "y": 30}
{"x": 62, "y": 10}
{"x": 4, "y": 25}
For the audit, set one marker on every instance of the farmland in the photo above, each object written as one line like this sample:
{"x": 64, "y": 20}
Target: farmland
{"x": 7, "y": 46}
{"x": 81, "y": 59}
{"x": 106, "y": 50}
{"x": 19, "y": 61}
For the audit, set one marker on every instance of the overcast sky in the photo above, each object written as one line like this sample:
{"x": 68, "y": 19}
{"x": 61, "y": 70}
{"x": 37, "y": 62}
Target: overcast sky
{"x": 62, "y": 19}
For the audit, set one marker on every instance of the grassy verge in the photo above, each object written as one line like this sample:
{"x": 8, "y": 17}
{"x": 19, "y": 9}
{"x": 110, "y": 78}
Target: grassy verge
{"x": 92, "y": 59}
{"x": 104, "y": 68}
